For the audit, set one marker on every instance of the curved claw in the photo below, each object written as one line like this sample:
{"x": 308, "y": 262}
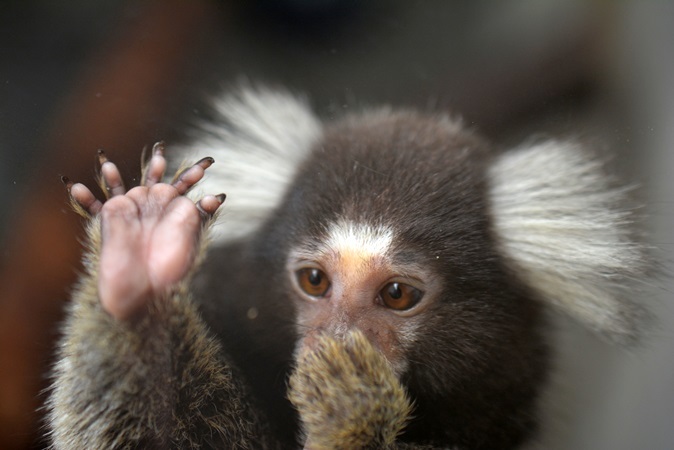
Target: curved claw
{"x": 208, "y": 205}
{"x": 156, "y": 167}
{"x": 66, "y": 182}
{"x": 111, "y": 178}
{"x": 191, "y": 176}
{"x": 83, "y": 199}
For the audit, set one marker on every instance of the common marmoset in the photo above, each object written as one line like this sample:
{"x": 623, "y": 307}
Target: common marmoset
{"x": 377, "y": 281}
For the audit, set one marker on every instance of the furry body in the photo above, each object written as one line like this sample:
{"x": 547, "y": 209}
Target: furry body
{"x": 494, "y": 238}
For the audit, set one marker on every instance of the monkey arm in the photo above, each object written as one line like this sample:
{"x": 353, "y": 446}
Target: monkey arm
{"x": 348, "y": 397}
{"x": 137, "y": 367}
{"x": 159, "y": 381}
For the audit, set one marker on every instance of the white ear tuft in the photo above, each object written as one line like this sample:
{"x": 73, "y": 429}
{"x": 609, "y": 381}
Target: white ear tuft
{"x": 567, "y": 232}
{"x": 258, "y": 139}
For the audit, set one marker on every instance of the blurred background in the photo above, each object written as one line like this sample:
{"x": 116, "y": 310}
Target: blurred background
{"x": 81, "y": 75}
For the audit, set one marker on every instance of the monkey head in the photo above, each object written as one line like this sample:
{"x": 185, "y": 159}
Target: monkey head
{"x": 443, "y": 250}
{"x": 415, "y": 232}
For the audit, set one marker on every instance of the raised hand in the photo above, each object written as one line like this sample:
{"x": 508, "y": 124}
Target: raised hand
{"x": 148, "y": 235}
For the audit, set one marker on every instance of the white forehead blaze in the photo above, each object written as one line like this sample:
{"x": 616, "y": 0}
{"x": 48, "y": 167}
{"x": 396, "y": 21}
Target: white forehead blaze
{"x": 358, "y": 241}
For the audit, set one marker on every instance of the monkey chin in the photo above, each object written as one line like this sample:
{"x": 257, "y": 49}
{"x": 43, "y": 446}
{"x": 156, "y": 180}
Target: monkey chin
{"x": 351, "y": 383}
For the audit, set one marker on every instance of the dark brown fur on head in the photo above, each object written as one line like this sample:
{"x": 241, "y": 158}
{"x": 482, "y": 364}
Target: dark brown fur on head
{"x": 479, "y": 360}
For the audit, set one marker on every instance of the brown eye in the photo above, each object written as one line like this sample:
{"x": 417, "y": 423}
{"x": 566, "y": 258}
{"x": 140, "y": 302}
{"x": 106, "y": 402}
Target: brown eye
{"x": 400, "y": 296}
{"x": 313, "y": 282}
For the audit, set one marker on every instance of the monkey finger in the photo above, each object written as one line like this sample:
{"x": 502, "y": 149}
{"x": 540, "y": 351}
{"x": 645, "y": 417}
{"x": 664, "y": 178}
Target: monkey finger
{"x": 154, "y": 172}
{"x": 191, "y": 176}
{"x": 83, "y": 197}
{"x": 112, "y": 179}
{"x": 209, "y": 204}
